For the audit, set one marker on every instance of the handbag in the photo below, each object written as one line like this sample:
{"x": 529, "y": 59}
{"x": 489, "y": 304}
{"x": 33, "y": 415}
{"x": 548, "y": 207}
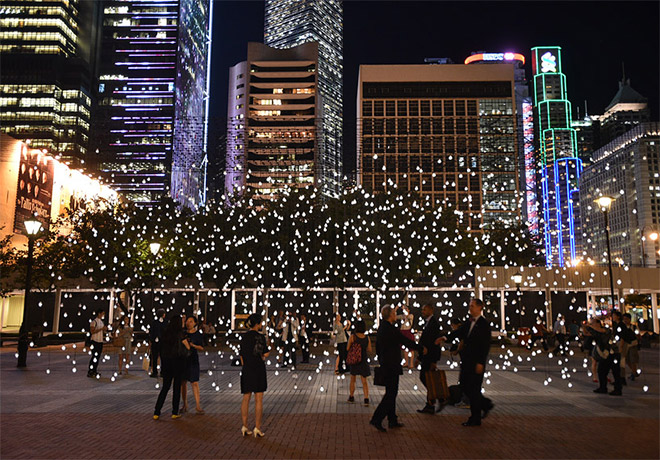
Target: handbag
{"x": 436, "y": 385}
{"x": 379, "y": 376}
{"x": 145, "y": 363}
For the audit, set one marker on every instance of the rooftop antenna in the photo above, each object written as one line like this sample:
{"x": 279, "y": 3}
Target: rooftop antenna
{"x": 586, "y": 112}
{"x": 623, "y": 73}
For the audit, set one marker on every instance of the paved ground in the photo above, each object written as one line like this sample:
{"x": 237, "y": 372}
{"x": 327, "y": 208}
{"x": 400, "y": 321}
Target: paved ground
{"x": 545, "y": 408}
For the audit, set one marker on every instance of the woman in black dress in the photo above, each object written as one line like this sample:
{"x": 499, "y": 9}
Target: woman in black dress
{"x": 253, "y": 374}
{"x": 174, "y": 349}
{"x": 361, "y": 368}
{"x": 196, "y": 340}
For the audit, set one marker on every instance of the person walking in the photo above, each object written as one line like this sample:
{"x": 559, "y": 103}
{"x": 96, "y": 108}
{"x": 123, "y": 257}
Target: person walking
{"x": 429, "y": 360}
{"x": 174, "y": 350}
{"x": 304, "y": 339}
{"x": 254, "y": 349}
{"x": 361, "y": 368}
{"x": 196, "y": 340}
{"x": 124, "y": 344}
{"x": 96, "y": 330}
{"x": 340, "y": 337}
{"x": 155, "y": 335}
{"x": 604, "y": 354}
{"x": 388, "y": 348}
{"x": 539, "y": 332}
{"x": 475, "y": 336}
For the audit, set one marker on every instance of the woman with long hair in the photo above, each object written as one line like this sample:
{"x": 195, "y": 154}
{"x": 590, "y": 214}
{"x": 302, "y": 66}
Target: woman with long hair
{"x": 196, "y": 340}
{"x": 361, "y": 367}
{"x": 175, "y": 349}
{"x": 254, "y": 350}
{"x": 125, "y": 340}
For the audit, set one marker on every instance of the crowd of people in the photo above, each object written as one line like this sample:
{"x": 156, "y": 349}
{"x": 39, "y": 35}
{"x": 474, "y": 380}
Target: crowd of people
{"x": 174, "y": 347}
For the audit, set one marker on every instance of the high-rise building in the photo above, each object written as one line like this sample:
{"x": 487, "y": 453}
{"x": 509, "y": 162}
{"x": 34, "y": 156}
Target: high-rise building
{"x": 447, "y": 132}
{"x": 524, "y": 130}
{"x": 560, "y": 167}
{"x": 586, "y": 133}
{"x": 627, "y": 169}
{"x": 48, "y": 51}
{"x": 627, "y": 109}
{"x": 151, "y": 117}
{"x": 273, "y": 121}
{"x": 289, "y": 23}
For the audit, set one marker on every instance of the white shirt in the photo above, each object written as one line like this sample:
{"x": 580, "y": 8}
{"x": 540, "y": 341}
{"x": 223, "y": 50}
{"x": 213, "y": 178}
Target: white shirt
{"x": 98, "y": 325}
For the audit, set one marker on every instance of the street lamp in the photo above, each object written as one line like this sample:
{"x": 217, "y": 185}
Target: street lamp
{"x": 652, "y": 235}
{"x": 605, "y": 202}
{"x": 32, "y": 227}
{"x": 517, "y": 279}
{"x": 154, "y": 248}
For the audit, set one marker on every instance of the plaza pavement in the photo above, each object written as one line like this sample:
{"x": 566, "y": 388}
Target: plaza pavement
{"x": 50, "y": 412}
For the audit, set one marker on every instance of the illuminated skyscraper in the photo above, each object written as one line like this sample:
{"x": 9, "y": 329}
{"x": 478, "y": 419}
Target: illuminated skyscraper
{"x": 48, "y": 52}
{"x": 290, "y": 23}
{"x": 272, "y": 113}
{"x": 153, "y": 98}
{"x": 560, "y": 167}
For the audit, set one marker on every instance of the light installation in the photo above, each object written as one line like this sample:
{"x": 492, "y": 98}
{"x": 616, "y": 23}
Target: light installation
{"x": 560, "y": 168}
{"x": 495, "y": 57}
{"x": 530, "y": 166}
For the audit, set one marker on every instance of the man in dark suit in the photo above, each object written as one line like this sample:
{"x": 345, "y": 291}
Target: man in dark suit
{"x": 388, "y": 347}
{"x": 475, "y": 336}
{"x": 430, "y": 334}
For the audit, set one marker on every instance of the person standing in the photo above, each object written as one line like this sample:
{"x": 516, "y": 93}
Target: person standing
{"x": 629, "y": 352}
{"x": 125, "y": 340}
{"x": 559, "y": 330}
{"x": 475, "y": 337}
{"x": 388, "y": 348}
{"x": 429, "y": 360}
{"x": 96, "y": 330}
{"x": 361, "y": 368}
{"x": 155, "y": 336}
{"x": 407, "y": 319}
{"x": 341, "y": 340}
{"x": 254, "y": 350}
{"x": 303, "y": 339}
{"x": 191, "y": 374}
{"x": 604, "y": 354}
{"x": 174, "y": 350}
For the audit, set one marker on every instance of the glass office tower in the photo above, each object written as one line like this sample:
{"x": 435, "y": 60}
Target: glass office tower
{"x": 48, "y": 50}
{"x": 560, "y": 167}
{"x": 289, "y": 23}
{"x": 152, "y": 92}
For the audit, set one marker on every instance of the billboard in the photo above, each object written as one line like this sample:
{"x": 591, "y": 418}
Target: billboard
{"x": 34, "y": 189}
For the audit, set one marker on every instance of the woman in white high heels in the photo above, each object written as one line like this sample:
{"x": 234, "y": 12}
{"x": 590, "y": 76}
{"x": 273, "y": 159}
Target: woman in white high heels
{"x": 254, "y": 350}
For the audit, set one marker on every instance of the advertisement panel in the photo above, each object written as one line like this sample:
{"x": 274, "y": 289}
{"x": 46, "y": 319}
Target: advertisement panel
{"x": 34, "y": 190}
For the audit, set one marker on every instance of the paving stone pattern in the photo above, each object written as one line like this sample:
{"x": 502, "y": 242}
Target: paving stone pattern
{"x": 49, "y": 411}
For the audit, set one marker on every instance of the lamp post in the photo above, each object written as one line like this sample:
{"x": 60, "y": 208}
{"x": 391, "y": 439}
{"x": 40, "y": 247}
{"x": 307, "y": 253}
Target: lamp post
{"x": 517, "y": 279}
{"x": 32, "y": 227}
{"x": 154, "y": 248}
{"x": 605, "y": 202}
{"x": 653, "y": 236}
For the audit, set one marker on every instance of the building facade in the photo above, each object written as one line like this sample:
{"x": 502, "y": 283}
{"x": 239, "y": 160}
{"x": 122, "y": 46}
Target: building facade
{"x": 48, "y": 57}
{"x": 627, "y": 169}
{"x": 524, "y": 131}
{"x": 560, "y": 167}
{"x": 289, "y": 23}
{"x": 151, "y": 118}
{"x": 627, "y": 109}
{"x": 272, "y": 112}
{"x": 447, "y": 132}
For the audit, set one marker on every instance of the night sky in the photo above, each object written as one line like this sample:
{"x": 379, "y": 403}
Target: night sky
{"x": 596, "y": 37}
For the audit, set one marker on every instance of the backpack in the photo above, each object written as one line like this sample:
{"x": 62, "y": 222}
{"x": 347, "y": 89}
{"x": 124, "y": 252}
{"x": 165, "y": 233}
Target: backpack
{"x": 354, "y": 354}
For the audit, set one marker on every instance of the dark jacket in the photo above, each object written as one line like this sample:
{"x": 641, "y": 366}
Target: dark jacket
{"x": 430, "y": 333}
{"x": 156, "y": 330}
{"x": 476, "y": 344}
{"x": 388, "y": 347}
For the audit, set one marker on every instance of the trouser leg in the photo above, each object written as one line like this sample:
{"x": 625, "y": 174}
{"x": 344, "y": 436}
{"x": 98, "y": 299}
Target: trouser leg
{"x": 167, "y": 382}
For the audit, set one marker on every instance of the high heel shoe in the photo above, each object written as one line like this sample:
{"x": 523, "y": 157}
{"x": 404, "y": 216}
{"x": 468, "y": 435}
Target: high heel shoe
{"x": 245, "y": 431}
{"x": 257, "y": 433}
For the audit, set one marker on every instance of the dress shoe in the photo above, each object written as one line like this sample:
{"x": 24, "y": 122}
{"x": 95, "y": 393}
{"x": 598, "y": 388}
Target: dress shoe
{"x": 396, "y": 425}
{"x": 471, "y": 423}
{"x": 600, "y": 390}
{"x": 378, "y": 426}
{"x": 486, "y": 410}
{"x": 427, "y": 410}
{"x": 616, "y": 393}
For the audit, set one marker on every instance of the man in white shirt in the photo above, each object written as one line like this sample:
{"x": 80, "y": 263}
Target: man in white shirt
{"x": 560, "y": 335}
{"x": 96, "y": 330}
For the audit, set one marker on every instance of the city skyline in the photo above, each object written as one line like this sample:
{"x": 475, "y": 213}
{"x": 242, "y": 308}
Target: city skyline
{"x": 591, "y": 77}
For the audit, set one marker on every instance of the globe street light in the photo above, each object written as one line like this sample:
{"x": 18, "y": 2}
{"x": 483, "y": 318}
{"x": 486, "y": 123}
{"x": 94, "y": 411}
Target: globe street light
{"x": 154, "y": 248}
{"x": 32, "y": 228}
{"x": 517, "y": 279}
{"x": 651, "y": 235}
{"x": 605, "y": 202}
